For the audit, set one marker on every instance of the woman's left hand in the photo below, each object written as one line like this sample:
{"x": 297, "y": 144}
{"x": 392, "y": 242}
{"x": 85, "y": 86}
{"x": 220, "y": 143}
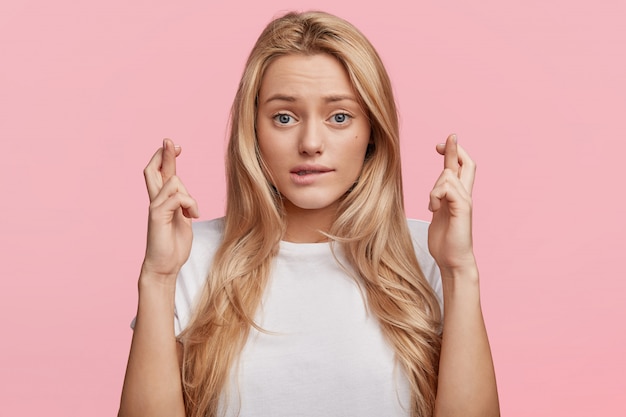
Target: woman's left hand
{"x": 466, "y": 383}
{"x": 450, "y": 232}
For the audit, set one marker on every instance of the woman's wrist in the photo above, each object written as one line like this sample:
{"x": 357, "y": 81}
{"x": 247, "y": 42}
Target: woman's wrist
{"x": 149, "y": 278}
{"x": 466, "y": 270}
{"x": 460, "y": 280}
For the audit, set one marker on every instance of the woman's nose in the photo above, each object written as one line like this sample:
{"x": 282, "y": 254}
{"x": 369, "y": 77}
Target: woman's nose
{"x": 311, "y": 141}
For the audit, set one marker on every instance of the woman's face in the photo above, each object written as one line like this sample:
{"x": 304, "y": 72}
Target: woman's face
{"x": 311, "y": 130}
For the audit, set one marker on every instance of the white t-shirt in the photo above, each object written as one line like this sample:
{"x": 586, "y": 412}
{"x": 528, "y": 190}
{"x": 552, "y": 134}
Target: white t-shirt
{"x": 325, "y": 355}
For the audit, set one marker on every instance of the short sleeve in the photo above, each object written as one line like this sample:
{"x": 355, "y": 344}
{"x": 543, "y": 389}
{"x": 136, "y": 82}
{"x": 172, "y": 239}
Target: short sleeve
{"x": 192, "y": 277}
{"x": 207, "y": 236}
{"x": 419, "y": 234}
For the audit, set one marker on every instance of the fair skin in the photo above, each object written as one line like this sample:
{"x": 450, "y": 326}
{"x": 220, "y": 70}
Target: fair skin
{"x": 152, "y": 385}
{"x": 313, "y": 137}
{"x": 467, "y": 383}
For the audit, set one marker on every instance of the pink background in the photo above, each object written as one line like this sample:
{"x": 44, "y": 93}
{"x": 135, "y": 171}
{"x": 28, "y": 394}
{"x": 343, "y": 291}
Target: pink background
{"x": 535, "y": 90}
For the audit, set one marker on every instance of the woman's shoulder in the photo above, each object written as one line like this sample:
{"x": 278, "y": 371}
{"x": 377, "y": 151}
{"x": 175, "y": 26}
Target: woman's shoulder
{"x": 208, "y": 231}
{"x": 207, "y": 236}
{"x": 419, "y": 235}
{"x": 418, "y": 228}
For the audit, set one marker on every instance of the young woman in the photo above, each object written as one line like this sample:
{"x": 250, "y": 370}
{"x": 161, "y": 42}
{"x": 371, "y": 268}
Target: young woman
{"x": 313, "y": 295}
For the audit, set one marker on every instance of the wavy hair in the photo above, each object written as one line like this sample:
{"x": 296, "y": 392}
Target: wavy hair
{"x": 371, "y": 226}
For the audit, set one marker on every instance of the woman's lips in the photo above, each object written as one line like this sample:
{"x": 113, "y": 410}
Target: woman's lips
{"x": 305, "y": 175}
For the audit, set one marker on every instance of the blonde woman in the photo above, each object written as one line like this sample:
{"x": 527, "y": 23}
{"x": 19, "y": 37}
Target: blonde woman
{"x": 313, "y": 296}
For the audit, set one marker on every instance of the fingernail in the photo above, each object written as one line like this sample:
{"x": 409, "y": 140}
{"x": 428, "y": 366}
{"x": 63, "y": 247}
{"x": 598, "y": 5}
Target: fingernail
{"x": 164, "y": 143}
{"x": 177, "y": 147}
{"x": 454, "y": 137}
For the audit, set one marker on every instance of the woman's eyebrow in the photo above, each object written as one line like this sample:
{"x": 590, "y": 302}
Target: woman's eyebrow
{"x": 281, "y": 97}
{"x": 328, "y": 99}
{"x": 340, "y": 97}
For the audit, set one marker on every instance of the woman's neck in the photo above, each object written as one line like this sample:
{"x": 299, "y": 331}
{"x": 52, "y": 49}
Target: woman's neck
{"x": 308, "y": 226}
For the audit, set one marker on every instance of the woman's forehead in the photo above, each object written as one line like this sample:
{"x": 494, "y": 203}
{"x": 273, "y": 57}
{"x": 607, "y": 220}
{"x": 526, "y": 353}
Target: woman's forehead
{"x": 296, "y": 76}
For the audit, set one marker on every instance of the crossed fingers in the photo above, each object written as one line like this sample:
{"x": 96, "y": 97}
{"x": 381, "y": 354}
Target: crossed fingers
{"x": 161, "y": 168}
{"x": 165, "y": 189}
{"x": 457, "y": 179}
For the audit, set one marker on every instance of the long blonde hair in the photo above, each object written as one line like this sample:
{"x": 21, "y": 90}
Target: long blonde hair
{"x": 371, "y": 226}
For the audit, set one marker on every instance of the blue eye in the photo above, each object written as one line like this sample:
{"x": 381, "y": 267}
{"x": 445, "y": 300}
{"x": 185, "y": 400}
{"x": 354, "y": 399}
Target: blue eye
{"x": 283, "y": 118}
{"x": 340, "y": 118}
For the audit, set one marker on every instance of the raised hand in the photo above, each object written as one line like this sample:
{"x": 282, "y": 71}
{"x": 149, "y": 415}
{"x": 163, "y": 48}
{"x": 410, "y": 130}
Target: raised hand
{"x": 171, "y": 211}
{"x": 450, "y": 232}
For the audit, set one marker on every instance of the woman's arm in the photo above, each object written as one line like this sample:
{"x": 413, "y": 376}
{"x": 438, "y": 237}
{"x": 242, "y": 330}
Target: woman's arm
{"x": 152, "y": 386}
{"x": 467, "y": 383}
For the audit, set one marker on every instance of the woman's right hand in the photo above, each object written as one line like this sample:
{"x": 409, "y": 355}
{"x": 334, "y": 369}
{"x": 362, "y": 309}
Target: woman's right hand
{"x": 169, "y": 221}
